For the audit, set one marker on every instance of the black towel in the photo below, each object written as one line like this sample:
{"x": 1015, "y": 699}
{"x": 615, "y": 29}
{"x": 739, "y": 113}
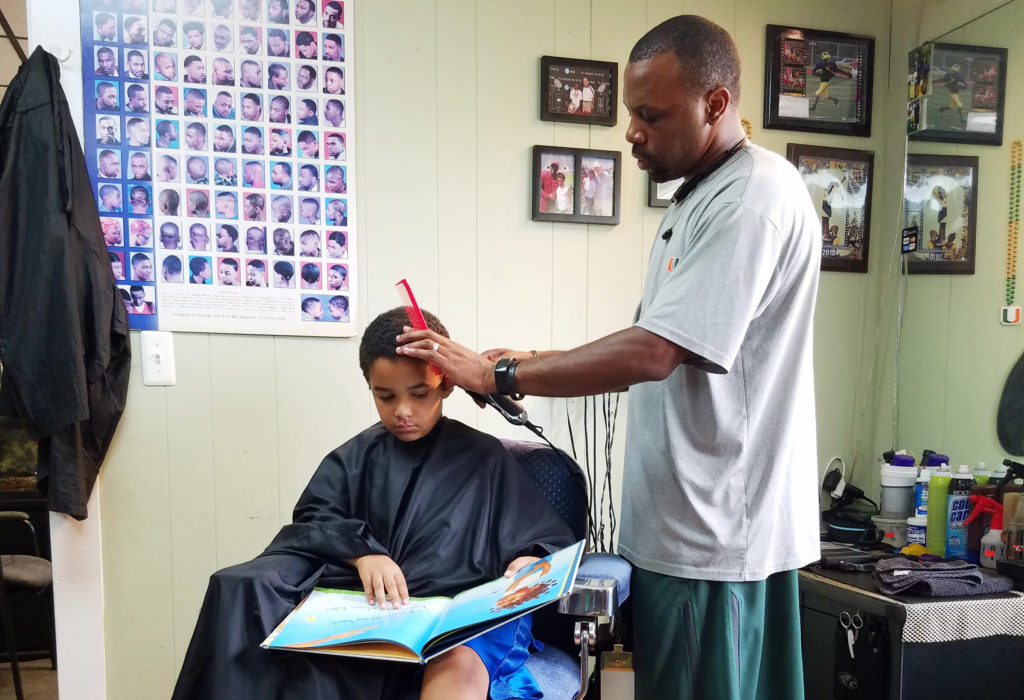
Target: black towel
{"x": 937, "y": 579}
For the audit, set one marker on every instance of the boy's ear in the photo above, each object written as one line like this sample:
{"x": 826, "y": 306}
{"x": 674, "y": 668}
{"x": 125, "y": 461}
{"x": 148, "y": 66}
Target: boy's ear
{"x": 446, "y": 387}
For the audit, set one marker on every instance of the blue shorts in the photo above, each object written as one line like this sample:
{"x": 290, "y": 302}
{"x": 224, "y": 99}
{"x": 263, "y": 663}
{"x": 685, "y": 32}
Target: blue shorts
{"x": 504, "y": 651}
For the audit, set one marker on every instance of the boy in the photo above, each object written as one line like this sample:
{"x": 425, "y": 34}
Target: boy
{"x": 415, "y": 505}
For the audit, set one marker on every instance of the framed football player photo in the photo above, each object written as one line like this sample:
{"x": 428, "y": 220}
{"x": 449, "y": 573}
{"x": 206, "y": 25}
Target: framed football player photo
{"x": 940, "y": 200}
{"x": 839, "y": 181}
{"x": 957, "y": 93}
{"x": 818, "y": 80}
{"x": 579, "y": 90}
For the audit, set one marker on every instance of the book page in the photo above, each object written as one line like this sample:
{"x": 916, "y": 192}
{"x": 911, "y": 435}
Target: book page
{"x": 535, "y": 585}
{"x": 329, "y": 617}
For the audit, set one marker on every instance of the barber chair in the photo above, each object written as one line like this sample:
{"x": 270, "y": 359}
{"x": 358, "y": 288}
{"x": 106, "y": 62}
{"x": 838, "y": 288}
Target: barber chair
{"x": 602, "y": 583}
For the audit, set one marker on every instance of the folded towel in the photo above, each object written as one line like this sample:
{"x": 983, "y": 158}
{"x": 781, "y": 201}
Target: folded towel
{"x": 954, "y": 577}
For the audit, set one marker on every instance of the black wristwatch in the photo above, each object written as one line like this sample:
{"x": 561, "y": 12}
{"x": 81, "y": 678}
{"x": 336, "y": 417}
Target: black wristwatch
{"x": 505, "y": 377}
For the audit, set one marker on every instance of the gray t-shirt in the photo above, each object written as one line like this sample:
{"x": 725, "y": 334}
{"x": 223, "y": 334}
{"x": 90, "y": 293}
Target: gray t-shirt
{"x": 720, "y": 478}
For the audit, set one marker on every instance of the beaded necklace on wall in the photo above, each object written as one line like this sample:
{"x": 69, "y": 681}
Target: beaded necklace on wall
{"x": 1011, "y": 313}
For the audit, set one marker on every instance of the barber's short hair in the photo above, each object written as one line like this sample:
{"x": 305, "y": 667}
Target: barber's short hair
{"x": 705, "y": 51}
{"x": 197, "y": 265}
{"x": 379, "y": 337}
{"x": 339, "y": 301}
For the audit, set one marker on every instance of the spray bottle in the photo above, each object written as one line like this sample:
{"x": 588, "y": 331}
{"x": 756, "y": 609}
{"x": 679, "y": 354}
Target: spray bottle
{"x": 982, "y": 475}
{"x": 958, "y": 505}
{"x": 938, "y": 489}
{"x": 992, "y": 547}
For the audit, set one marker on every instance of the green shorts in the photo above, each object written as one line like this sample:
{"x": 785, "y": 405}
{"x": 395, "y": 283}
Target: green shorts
{"x": 716, "y": 640}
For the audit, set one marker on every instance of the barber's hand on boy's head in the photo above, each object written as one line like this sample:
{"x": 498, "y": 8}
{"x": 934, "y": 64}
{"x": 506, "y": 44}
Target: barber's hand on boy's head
{"x": 383, "y": 581}
{"x": 460, "y": 365}
{"x": 517, "y": 564}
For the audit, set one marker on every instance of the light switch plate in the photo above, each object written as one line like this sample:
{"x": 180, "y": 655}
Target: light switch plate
{"x": 158, "y": 358}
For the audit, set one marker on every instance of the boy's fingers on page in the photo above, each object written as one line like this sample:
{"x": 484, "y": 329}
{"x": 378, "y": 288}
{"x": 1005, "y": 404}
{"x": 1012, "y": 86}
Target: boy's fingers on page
{"x": 403, "y": 589}
{"x": 379, "y": 592}
{"x": 391, "y": 582}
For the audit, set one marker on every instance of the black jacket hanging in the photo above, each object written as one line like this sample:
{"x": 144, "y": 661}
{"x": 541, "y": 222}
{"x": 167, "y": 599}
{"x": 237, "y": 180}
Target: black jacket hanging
{"x": 64, "y": 346}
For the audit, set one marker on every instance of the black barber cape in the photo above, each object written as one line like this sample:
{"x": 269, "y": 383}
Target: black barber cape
{"x": 452, "y": 509}
{"x": 63, "y": 326}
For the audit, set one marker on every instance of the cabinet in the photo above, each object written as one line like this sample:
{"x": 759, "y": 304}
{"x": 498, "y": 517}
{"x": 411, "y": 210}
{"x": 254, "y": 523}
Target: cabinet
{"x": 886, "y": 665}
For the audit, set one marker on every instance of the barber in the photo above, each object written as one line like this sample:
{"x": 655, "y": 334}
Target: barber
{"x": 719, "y": 495}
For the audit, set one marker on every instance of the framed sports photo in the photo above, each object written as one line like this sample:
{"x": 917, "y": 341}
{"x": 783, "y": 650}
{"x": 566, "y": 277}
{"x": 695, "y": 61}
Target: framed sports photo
{"x": 579, "y": 90}
{"x": 576, "y": 185}
{"x": 839, "y": 181}
{"x": 956, "y": 93}
{"x": 818, "y": 81}
{"x": 940, "y": 199}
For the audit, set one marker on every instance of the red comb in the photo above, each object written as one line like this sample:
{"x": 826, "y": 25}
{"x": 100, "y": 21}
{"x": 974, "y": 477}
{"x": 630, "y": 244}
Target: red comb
{"x": 412, "y": 311}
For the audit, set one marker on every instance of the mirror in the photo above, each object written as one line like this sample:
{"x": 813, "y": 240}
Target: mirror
{"x": 954, "y": 353}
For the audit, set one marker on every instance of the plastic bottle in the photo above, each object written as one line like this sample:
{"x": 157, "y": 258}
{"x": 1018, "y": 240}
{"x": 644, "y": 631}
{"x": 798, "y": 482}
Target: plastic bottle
{"x": 998, "y": 475}
{"x": 992, "y": 547}
{"x": 938, "y": 489}
{"x": 982, "y": 475}
{"x": 917, "y": 530}
{"x": 921, "y": 492}
{"x": 957, "y": 509}
{"x": 978, "y": 526}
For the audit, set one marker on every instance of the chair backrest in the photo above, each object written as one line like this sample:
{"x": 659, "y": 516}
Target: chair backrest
{"x": 558, "y": 477}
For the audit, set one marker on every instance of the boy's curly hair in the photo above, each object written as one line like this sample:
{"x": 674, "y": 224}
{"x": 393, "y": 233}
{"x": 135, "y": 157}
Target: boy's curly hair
{"x": 379, "y": 337}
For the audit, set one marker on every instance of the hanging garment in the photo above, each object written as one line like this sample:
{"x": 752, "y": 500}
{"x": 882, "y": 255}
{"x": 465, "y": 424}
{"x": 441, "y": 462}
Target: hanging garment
{"x": 64, "y": 344}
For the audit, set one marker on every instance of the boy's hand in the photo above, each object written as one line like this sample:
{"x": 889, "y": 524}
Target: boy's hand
{"x": 517, "y": 564}
{"x": 383, "y": 581}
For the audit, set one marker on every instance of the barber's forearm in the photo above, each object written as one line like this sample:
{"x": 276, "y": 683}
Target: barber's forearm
{"x": 611, "y": 363}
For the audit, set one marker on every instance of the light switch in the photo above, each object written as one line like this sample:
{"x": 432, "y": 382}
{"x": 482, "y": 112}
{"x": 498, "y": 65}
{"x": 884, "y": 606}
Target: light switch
{"x": 157, "y": 358}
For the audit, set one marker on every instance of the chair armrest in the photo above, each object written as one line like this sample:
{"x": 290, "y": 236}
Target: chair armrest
{"x": 602, "y": 584}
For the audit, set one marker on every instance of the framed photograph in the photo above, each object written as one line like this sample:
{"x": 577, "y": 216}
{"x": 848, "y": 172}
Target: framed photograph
{"x": 940, "y": 199}
{"x": 839, "y": 181}
{"x": 818, "y": 81}
{"x": 659, "y": 194}
{"x": 576, "y": 185}
{"x": 578, "y": 90}
{"x": 956, "y": 93}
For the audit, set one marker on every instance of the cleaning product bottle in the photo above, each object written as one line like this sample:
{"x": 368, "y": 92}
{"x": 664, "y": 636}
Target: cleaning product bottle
{"x": 977, "y": 527}
{"x": 982, "y": 474}
{"x": 921, "y": 492}
{"x": 958, "y": 504}
{"x": 992, "y": 543}
{"x": 938, "y": 489}
{"x": 998, "y": 475}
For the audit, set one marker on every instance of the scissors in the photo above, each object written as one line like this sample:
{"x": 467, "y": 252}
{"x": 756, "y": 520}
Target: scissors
{"x": 852, "y": 625}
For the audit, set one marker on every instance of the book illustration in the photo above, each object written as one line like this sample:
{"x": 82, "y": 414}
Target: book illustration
{"x": 341, "y": 622}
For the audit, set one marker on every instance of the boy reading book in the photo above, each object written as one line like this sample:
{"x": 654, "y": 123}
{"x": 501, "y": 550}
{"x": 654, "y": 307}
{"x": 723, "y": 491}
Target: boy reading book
{"x": 416, "y": 505}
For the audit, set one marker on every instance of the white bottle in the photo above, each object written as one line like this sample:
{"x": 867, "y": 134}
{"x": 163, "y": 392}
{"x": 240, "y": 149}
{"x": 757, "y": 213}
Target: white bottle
{"x": 921, "y": 492}
{"x": 992, "y": 548}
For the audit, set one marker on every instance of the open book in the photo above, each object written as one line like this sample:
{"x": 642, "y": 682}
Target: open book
{"x": 340, "y": 622}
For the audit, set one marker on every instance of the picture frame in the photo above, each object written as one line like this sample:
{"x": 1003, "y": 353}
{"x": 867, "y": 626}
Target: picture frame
{"x": 940, "y": 199}
{"x": 659, "y": 194}
{"x": 839, "y": 181}
{"x": 574, "y": 185}
{"x": 564, "y": 84}
{"x": 956, "y": 93}
{"x": 795, "y": 64}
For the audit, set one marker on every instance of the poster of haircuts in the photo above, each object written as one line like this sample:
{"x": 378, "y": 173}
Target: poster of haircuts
{"x": 219, "y": 137}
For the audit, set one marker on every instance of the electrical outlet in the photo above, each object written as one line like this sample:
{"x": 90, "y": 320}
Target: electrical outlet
{"x": 158, "y": 358}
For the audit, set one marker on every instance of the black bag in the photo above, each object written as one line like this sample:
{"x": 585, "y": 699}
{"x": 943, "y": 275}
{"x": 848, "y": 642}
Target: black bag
{"x": 1010, "y": 418}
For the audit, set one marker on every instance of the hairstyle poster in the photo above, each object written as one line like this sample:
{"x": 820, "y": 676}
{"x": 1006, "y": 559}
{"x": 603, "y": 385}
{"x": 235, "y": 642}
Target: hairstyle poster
{"x": 218, "y": 133}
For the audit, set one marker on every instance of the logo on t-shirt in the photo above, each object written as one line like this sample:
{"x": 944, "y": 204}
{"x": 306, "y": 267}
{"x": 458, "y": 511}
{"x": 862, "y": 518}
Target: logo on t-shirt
{"x": 672, "y": 262}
